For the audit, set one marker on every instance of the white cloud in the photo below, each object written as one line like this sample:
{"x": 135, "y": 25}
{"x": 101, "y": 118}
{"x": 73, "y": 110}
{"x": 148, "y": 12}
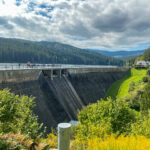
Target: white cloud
{"x": 103, "y": 24}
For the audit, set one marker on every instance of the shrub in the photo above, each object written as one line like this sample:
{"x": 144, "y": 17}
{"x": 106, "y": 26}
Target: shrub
{"x": 145, "y": 79}
{"x": 16, "y": 114}
{"x": 131, "y": 86}
{"x": 145, "y": 100}
{"x": 21, "y": 142}
{"x": 105, "y": 117}
{"x": 142, "y": 126}
{"x": 148, "y": 72}
{"x": 51, "y": 140}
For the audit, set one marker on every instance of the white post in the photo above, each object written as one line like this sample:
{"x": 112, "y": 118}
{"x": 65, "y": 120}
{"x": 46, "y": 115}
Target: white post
{"x": 64, "y": 131}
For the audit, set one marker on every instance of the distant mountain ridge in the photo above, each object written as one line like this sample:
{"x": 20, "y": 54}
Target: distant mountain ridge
{"x": 120, "y": 54}
{"x": 21, "y": 51}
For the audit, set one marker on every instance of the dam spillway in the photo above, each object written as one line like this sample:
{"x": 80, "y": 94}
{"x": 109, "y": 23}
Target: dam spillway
{"x": 64, "y": 93}
{"x": 60, "y": 93}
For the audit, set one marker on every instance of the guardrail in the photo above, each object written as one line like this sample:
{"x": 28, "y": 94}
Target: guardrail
{"x": 11, "y": 66}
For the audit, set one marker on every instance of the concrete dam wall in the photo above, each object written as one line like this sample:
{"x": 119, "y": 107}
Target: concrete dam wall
{"x": 59, "y": 98}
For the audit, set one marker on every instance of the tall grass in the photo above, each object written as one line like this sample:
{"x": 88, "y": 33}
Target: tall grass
{"x": 120, "y": 143}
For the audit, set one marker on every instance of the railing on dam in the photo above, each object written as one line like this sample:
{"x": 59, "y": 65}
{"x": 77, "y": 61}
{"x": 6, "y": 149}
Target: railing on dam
{"x": 22, "y": 66}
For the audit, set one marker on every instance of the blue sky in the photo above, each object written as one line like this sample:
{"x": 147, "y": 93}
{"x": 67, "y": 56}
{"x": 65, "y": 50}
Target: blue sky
{"x": 95, "y": 24}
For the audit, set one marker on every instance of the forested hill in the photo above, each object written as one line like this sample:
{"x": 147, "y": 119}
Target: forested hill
{"x": 15, "y": 50}
{"x": 145, "y": 56}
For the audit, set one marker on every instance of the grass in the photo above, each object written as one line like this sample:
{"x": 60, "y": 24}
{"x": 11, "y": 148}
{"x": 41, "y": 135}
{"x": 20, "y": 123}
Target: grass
{"x": 121, "y": 87}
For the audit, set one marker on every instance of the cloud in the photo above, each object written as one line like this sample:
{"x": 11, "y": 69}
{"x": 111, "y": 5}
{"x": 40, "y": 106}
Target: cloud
{"x": 103, "y": 24}
{"x": 5, "y": 24}
{"x": 29, "y": 25}
{"x": 78, "y": 29}
{"x": 115, "y": 21}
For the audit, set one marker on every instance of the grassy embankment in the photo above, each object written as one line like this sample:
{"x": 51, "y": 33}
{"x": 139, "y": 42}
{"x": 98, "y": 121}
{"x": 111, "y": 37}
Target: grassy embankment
{"x": 120, "y": 88}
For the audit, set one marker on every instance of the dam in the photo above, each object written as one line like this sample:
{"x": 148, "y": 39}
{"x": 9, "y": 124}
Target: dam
{"x": 59, "y": 90}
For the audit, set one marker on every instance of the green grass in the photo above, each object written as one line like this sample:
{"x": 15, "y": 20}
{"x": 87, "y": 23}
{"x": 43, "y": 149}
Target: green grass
{"x": 120, "y": 88}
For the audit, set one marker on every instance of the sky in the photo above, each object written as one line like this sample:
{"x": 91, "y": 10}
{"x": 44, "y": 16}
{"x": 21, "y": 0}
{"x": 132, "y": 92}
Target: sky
{"x": 94, "y": 24}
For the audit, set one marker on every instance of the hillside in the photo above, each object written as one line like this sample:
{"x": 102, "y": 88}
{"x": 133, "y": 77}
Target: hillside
{"x": 15, "y": 50}
{"x": 118, "y": 123}
{"x": 121, "y": 54}
{"x": 145, "y": 56}
{"x": 121, "y": 87}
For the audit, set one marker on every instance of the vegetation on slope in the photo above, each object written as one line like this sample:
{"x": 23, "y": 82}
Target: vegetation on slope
{"x": 19, "y": 128}
{"x": 113, "y": 90}
{"x": 16, "y": 114}
{"x": 121, "y": 88}
{"x": 114, "y": 125}
{"x": 13, "y": 141}
{"x": 21, "y": 51}
{"x": 136, "y": 78}
{"x": 120, "y": 143}
{"x": 145, "y": 56}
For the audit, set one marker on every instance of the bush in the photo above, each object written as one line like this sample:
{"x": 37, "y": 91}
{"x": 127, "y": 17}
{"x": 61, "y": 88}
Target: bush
{"x": 16, "y": 114}
{"x": 105, "y": 117}
{"x": 21, "y": 142}
{"x": 148, "y": 72}
{"x": 131, "y": 86}
{"x": 145, "y": 100}
{"x": 145, "y": 79}
{"x": 4, "y": 145}
{"x": 142, "y": 126}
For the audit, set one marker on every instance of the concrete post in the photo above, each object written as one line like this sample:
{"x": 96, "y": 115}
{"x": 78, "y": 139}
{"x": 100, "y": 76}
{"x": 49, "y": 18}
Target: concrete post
{"x": 64, "y": 131}
{"x": 59, "y": 73}
{"x": 66, "y": 73}
{"x": 51, "y": 75}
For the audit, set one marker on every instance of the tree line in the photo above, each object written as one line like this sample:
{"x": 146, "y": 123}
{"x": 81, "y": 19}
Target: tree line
{"x": 21, "y": 51}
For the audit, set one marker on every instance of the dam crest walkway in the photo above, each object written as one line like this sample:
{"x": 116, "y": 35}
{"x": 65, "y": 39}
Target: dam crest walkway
{"x": 22, "y": 66}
